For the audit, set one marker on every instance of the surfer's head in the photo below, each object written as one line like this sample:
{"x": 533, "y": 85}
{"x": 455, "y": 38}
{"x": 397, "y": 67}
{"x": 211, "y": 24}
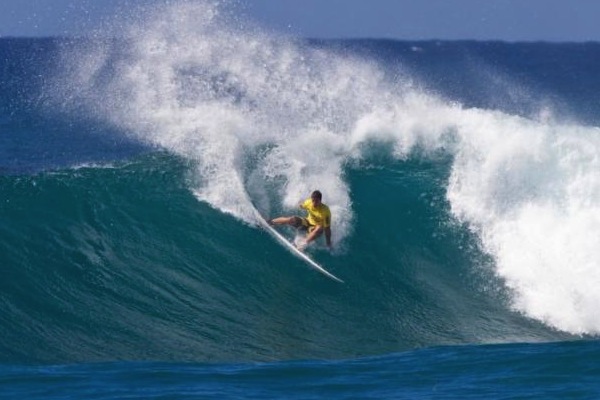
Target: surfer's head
{"x": 316, "y": 197}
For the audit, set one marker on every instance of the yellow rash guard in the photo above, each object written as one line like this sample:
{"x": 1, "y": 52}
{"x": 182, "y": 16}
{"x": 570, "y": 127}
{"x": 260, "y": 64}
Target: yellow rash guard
{"x": 317, "y": 215}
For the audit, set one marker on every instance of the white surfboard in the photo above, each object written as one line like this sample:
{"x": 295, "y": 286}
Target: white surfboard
{"x": 281, "y": 239}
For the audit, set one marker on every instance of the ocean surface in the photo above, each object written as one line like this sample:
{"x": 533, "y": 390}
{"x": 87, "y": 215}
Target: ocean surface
{"x": 463, "y": 178}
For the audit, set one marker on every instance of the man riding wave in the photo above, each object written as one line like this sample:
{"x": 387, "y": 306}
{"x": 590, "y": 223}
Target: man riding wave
{"x": 317, "y": 220}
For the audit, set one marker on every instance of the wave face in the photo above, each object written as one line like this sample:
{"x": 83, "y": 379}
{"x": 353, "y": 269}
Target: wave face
{"x": 463, "y": 180}
{"x": 122, "y": 262}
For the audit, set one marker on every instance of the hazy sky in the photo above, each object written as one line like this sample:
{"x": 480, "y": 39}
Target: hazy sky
{"x": 510, "y": 20}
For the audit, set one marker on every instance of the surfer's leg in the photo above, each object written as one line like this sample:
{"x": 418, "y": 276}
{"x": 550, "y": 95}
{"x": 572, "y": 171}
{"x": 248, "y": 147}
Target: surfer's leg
{"x": 292, "y": 221}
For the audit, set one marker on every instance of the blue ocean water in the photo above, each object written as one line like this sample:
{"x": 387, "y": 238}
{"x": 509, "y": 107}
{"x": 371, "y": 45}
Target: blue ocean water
{"x": 462, "y": 176}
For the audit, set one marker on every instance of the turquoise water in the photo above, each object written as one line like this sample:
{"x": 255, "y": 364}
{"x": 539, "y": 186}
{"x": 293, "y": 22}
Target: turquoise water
{"x": 125, "y": 262}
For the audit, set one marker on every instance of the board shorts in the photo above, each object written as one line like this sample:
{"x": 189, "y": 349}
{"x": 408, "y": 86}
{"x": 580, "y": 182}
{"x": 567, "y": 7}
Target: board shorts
{"x": 305, "y": 225}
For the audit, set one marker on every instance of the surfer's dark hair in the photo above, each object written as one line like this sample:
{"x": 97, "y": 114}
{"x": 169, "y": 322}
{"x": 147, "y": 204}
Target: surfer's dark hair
{"x": 316, "y": 194}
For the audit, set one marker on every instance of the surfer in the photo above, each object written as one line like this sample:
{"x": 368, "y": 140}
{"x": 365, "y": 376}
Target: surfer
{"x": 317, "y": 220}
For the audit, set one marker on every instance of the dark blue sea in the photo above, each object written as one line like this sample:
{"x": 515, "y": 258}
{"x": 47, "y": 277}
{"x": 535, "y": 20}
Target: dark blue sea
{"x": 463, "y": 178}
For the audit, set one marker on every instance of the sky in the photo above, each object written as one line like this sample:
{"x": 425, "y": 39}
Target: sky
{"x": 507, "y": 20}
